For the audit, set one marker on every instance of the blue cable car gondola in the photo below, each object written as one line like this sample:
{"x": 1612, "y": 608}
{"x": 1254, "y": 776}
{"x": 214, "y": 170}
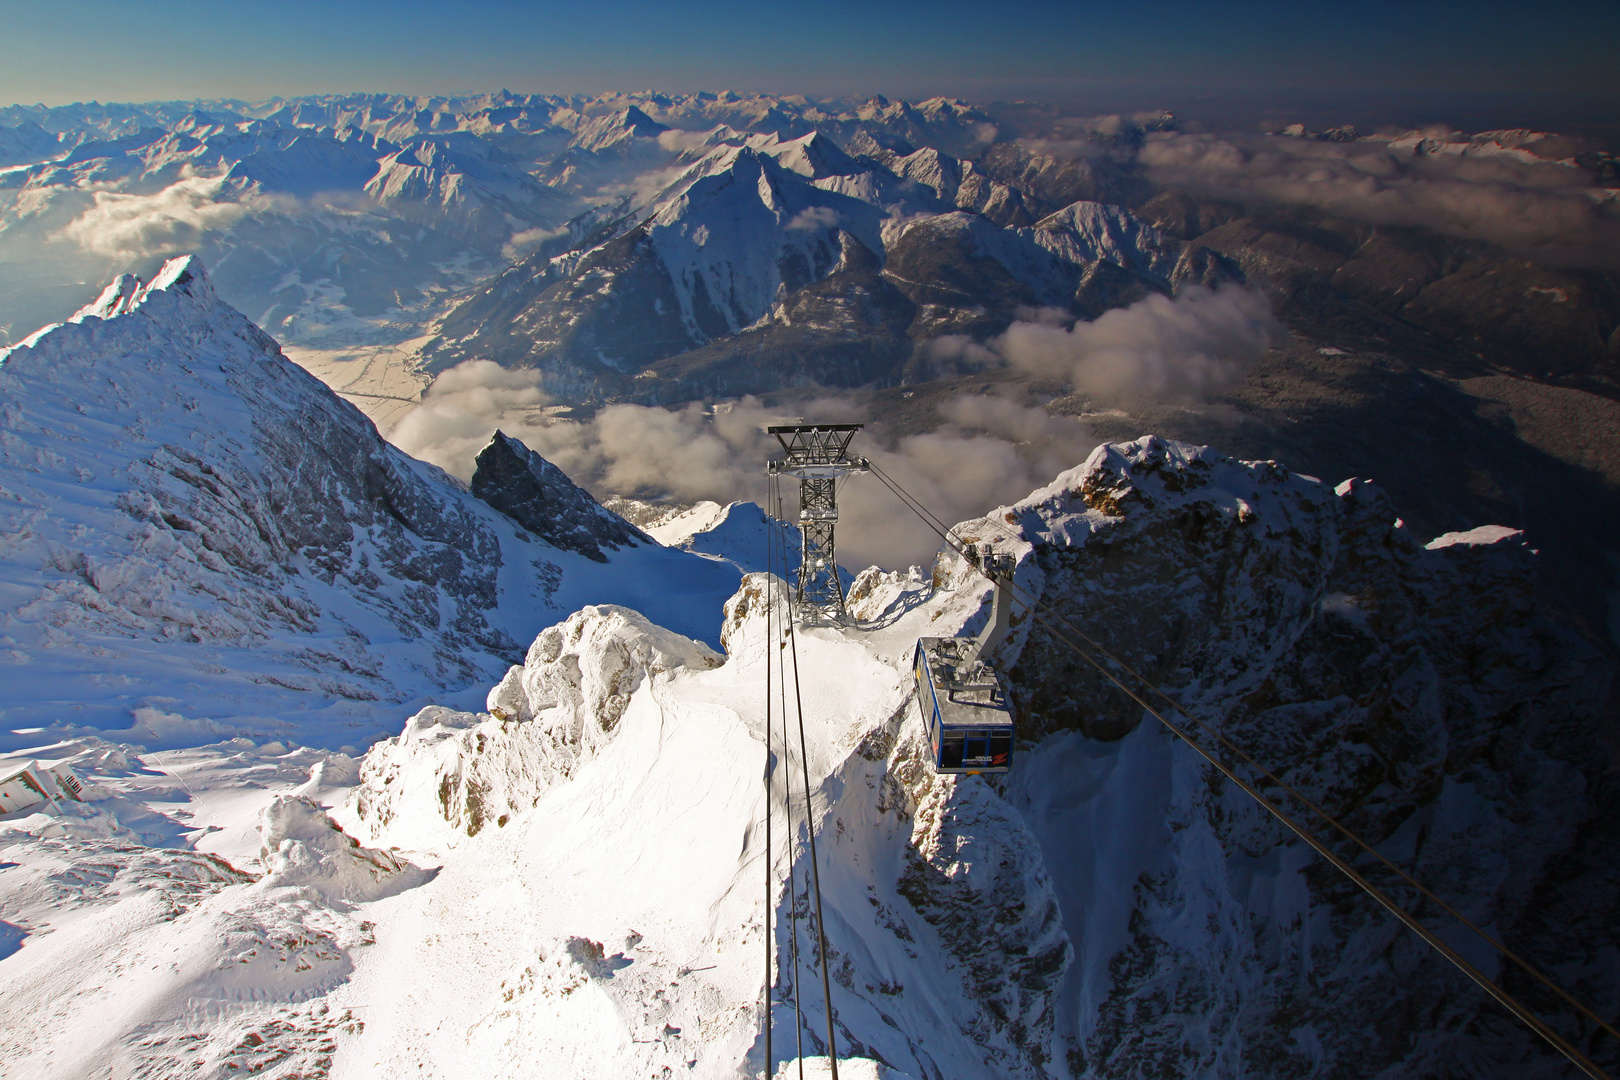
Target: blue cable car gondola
{"x": 964, "y": 706}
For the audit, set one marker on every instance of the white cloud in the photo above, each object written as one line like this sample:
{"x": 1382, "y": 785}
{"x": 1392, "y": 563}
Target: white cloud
{"x": 1185, "y": 349}
{"x": 524, "y": 242}
{"x": 463, "y": 407}
{"x": 131, "y": 227}
{"x": 813, "y": 219}
{"x": 677, "y": 141}
{"x": 989, "y": 451}
{"x": 1465, "y": 189}
{"x": 958, "y": 352}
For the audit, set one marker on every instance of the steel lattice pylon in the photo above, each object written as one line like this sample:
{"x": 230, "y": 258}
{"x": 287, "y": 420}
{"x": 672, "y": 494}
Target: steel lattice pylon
{"x": 818, "y": 455}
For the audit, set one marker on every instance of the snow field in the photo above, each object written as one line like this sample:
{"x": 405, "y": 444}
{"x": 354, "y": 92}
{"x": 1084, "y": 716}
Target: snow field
{"x": 143, "y": 956}
{"x": 608, "y": 921}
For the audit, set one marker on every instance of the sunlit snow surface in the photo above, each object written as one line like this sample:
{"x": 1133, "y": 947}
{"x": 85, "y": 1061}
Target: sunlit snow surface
{"x": 571, "y": 881}
{"x": 199, "y": 540}
{"x": 613, "y": 929}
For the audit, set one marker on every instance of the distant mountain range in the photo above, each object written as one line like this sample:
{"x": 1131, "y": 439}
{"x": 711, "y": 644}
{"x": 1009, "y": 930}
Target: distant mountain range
{"x": 668, "y": 248}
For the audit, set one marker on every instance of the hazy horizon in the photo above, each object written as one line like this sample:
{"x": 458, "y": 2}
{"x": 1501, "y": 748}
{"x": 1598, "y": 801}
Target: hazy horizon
{"x": 1479, "y": 65}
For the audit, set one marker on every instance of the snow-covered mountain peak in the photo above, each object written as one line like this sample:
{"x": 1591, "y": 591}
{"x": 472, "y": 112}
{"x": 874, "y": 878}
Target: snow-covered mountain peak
{"x": 184, "y": 504}
{"x": 606, "y": 132}
{"x": 115, "y": 299}
{"x": 813, "y": 155}
{"x": 179, "y": 293}
{"x": 181, "y": 283}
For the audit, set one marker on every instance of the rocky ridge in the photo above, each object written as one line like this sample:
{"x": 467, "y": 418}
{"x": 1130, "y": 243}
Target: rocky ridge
{"x": 180, "y": 495}
{"x": 1417, "y": 693}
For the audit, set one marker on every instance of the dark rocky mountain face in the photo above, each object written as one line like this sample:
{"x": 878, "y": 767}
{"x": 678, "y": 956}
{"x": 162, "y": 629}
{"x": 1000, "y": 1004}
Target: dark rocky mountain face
{"x": 851, "y": 328}
{"x": 1418, "y": 694}
{"x": 539, "y": 496}
{"x": 1500, "y": 373}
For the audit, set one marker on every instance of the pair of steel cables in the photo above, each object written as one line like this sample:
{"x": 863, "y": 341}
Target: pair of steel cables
{"x": 776, "y": 544}
{"x": 1065, "y": 632}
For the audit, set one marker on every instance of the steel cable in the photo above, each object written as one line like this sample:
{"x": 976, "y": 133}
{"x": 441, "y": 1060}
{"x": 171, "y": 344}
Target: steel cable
{"x": 810, "y": 830}
{"x": 776, "y": 538}
{"x": 770, "y": 795}
{"x": 958, "y": 544}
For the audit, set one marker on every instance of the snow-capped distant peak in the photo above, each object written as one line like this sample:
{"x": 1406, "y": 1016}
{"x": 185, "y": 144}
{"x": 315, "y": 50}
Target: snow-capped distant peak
{"x": 117, "y": 298}
{"x": 614, "y": 128}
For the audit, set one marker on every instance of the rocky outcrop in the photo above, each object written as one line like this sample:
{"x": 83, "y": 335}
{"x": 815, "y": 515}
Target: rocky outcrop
{"x": 1417, "y": 693}
{"x": 301, "y": 846}
{"x": 452, "y": 774}
{"x": 976, "y": 874}
{"x": 539, "y": 496}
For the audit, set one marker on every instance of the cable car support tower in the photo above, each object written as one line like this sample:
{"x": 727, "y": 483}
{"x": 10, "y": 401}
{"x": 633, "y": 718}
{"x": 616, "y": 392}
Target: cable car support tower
{"x": 818, "y": 454}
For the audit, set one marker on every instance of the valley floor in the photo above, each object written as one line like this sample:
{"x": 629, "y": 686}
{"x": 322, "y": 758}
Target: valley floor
{"x": 382, "y": 381}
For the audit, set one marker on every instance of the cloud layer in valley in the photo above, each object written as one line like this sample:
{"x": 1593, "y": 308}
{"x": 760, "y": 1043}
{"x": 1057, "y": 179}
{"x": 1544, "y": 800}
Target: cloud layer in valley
{"x": 128, "y": 226}
{"x": 1182, "y": 350}
{"x": 990, "y": 450}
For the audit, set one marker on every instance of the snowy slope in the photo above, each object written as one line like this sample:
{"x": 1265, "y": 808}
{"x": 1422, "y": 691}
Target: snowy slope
{"x": 737, "y": 533}
{"x": 578, "y": 887}
{"x": 595, "y": 935}
{"x": 1089, "y": 232}
{"x": 26, "y": 143}
{"x": 463, "y": 184}
{"x": 197, "y": 533}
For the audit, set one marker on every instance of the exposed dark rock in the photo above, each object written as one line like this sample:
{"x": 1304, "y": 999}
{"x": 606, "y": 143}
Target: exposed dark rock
{"x": 1186, "y": 216}
{"x": 1546, "y": 322}
{"x": 1554, "y": 324}
{"x": 1419, "y": 694}
{"x": 539, "y": 496}
{"x": 847, "y": 329}
{"x": 949, "y": 267}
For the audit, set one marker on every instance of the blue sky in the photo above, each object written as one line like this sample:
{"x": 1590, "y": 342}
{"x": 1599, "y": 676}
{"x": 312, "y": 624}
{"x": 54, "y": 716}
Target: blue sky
{"x": 56, "y": 51}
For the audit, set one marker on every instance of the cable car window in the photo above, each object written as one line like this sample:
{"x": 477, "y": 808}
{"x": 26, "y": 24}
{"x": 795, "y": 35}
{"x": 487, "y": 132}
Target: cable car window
{"x": 976, "y": 748}
{"x": 1001, "y": 748}
{"x": 950, "y": 750}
